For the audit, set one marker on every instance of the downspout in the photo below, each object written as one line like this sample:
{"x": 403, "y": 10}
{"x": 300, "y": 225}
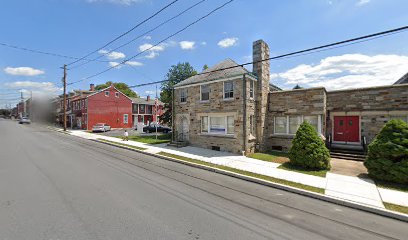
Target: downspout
{"x": 244, "y": 119}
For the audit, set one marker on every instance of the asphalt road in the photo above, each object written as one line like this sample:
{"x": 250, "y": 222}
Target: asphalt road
{"x": 55, "y": 186}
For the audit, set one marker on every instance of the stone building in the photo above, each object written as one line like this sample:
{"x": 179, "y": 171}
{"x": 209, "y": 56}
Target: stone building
{"x": 229, "y": 108}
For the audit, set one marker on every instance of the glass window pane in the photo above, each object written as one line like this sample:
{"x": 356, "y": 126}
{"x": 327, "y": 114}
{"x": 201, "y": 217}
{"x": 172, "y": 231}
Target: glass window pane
{"x": 204, "y": 124}
{"x": 217, "y": 125}
{"x": 313, "y": 120}
{"x": 205, "y": 92}
{"x": 294, "y": 123}
{"x": 228, "y": 89}
{"x": 280, "y": 125}
{"x": 230, "y": 124}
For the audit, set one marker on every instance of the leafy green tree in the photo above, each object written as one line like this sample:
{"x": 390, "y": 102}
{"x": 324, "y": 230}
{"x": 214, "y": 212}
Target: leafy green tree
{"x": 308, "y": 149}
{"x": 123, "y": 87}
{"x": 387, "y": 157}
{"x": 205, "y": 67}
{"x": 176, "y": 74}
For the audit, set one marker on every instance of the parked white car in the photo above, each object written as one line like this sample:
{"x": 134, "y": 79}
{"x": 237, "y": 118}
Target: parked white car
{"x": 24, "y": 120}
{"x": 101, "y": 127}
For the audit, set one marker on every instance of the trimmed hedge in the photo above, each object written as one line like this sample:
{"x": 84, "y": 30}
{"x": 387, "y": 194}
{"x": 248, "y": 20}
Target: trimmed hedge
{"x": 308, "y": 149}
{"x": 387, "y": 157}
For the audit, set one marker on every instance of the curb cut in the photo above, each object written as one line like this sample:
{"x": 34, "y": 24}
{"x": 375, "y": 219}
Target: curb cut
{"x": 339, "y": 201}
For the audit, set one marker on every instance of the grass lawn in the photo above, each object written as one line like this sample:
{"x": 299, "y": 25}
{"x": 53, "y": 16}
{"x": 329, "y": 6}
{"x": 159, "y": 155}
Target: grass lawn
{"x": 396, "y": 208}
{"x": 271, "y": 156}
{"x": 267, "y": 178}
{"x": 391, "y": 185}
{"x": 290, "y": 167}
{"x": 121, "y": 144}
{"x": 151, "y": 139}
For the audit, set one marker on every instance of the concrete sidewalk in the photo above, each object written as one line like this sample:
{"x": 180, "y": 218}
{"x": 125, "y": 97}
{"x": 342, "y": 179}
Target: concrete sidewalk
{"x": 351, "y": 188}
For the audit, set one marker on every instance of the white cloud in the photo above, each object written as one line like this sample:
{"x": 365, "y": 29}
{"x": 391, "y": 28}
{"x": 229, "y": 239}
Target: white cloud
{"x": 152, "y": 51}
{"x": 120, "y": 2}
{"x": 112, "y": 55}
{"x": 134, "y": 63}
{"x": 203, "y": 43}
{"x": 187, "y": 45}
{"x": 115, "y": 65}
{"x": 152, "y": 55}
{"x": 228, "y": 42}
{"x": 148, "y": 92}
{"x": 362, "y": 2}
{"x": 37, "y": 88}
{"x": 147, "y": 37}
{"x": 23, "y": 71}
{"x": 347, "y": 71}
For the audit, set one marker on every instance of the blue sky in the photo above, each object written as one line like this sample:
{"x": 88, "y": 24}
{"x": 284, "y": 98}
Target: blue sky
{"x": 76, "y": 27}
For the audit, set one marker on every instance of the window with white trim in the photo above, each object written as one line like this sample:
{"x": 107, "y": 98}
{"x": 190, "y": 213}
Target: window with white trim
{"x": 294, "y": 123}
{"x": 116, "y": 94}
{"x": 251, "y": 125}
{"x": 223, "y": 125}
{"x": 204, "y": 124}
{"x": 106, "y": 93}
{"x": 205, "y": 92}
{"x": 228, "y": 89}
{"x": 290, "y": 124}
{"x": 125, "y": 118}
{"x": 251, "y": 88}
{"x": 183, "y": 95}
{"x": 280, "y": 125}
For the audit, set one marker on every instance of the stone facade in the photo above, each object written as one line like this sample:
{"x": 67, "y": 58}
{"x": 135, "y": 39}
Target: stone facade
{"x": 294, "y": 103}
{"x": 265, "y": 118}
{"x": 374, "y": 106}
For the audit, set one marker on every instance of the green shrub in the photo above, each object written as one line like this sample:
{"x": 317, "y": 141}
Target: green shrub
{"x": 308, "y": 149}
{"x": 387, "y": 157}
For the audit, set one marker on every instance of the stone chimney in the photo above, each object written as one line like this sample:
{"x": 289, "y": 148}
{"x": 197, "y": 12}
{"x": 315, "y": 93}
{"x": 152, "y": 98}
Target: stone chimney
{"x": 91, "y": 87}
{"x": 260, "y": 51}
{"x": 148, "y": 98}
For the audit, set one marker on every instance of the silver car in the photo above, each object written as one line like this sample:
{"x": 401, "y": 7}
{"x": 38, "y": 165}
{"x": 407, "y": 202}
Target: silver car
{"x": 101, "y": 127}
{"x": 24, "y": 120}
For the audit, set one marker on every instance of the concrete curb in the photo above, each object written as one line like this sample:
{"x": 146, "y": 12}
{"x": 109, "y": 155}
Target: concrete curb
{"x": 339, "y": 201}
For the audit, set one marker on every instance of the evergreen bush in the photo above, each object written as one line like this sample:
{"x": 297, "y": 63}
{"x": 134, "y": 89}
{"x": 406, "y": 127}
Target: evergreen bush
{"x": 387, "y": 157}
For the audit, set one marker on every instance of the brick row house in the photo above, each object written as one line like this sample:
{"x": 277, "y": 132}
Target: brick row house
{"x": 85, "y": 108}
{"x": 144, "y": 110}
{"x": 239, "y": 111}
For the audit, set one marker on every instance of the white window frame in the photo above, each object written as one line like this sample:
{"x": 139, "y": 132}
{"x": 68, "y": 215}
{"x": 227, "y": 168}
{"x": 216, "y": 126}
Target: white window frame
{"x": 319, "y": 124}
{"x": 225, "y": 124}
{"x": 201, "y": 124}
{"x": 106, "y": 93}
{"x": 223, "y": 90}
{"x": 183, "y": 90}
{"x": 125, "y": 118}
{"x": 117, "y": 94}
{"x": 201, "y": 93}
{"x": 251, "y": 89}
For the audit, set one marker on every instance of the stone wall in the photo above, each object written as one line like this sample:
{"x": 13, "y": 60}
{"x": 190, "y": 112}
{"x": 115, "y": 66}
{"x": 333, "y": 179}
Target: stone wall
{"x": 299, "y": 102}
{"x": 193, "y": 109}
{"x": 375, "y": 106}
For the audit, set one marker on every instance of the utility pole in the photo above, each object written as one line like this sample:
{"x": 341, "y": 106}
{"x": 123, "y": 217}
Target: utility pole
{"x": 64, "y": 81}
{"x": 31, "y": 106}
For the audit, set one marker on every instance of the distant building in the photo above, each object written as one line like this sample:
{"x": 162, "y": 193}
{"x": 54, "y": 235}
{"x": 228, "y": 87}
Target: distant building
{"x": 144, "y": 110}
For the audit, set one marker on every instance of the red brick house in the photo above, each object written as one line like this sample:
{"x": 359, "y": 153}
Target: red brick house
{"x": 144, "y": 110}
{"x": 109, "y": 105}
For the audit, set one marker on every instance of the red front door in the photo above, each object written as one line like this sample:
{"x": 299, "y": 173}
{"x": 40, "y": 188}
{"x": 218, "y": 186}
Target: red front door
{"x": 346, "y": 129}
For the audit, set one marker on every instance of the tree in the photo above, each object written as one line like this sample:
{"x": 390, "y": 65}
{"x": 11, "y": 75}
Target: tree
{"x": 308, "y": 149}
{"x": 387, "y": 157}
{"x": 176, "y": 74}
{"x": 123, "y": 87}
{"x": 205, "y": 67}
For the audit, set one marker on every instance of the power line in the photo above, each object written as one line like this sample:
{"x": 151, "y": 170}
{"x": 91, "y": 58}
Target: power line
{"x": 45, "y": 53}
{"x": 305, "y": 51}
{"x": 125, "y": 33}
{"x": 142, "y": 35}
{"x": 165, "y": 39}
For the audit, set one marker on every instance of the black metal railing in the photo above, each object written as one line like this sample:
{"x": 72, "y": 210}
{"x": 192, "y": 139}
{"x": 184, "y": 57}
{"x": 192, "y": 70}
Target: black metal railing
{"x": 329, "y": 141}
{"x": 364, "y": 143}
